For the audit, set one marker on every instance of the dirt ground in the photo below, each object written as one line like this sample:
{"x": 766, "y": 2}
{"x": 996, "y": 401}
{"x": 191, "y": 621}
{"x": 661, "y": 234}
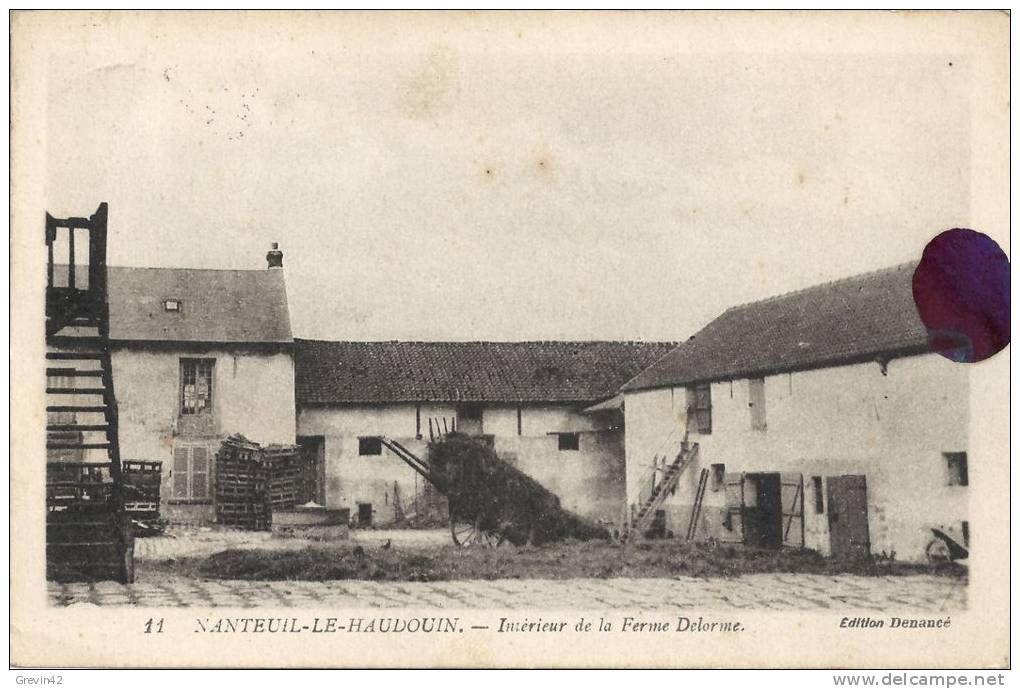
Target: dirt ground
{"x": 199, "y": 542}
{"x": 167, "y": 577}
{"x": 406, "y": 555}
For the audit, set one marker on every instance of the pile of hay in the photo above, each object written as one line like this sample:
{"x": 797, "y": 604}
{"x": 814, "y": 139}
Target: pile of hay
{"x": 485, "y": 490}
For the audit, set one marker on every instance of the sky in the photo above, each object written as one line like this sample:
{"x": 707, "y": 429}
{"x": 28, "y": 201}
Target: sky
{"x": 507, "y": 177}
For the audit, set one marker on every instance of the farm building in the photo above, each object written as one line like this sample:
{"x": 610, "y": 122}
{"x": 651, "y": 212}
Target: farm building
{"x": 197, "y": 355}
{"x": 531, "y": 400}
{"x": 820, "y": 417}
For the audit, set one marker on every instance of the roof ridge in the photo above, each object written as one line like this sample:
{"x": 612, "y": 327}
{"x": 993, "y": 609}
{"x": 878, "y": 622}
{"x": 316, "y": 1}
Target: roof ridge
{"x": 820, "y": 285}
{"x": 744, "y": 339}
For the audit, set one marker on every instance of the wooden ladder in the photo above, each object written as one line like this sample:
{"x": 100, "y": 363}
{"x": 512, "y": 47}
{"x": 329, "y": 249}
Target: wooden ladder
{"x": 699, "y": 498}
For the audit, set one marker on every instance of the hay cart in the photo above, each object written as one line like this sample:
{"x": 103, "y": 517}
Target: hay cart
{"x": 486, "y": 519}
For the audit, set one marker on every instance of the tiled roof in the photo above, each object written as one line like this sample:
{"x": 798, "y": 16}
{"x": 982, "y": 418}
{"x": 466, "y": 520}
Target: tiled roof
{"x": 850, "y": 320}
{"x": 377, "y": 372}
{"x": 218, "y": 306}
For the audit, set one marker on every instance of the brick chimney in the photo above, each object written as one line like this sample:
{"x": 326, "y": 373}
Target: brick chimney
{"x": 274, "y": 259}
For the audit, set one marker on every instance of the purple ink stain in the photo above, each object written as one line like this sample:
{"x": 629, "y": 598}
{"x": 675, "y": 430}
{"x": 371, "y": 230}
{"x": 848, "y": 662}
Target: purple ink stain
{"x": 961, "y": 289}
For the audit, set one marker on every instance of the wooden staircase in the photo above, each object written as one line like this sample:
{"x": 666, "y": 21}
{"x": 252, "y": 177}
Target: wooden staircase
{"x": 88, "y": 536}
{"x": 656, "y": 489}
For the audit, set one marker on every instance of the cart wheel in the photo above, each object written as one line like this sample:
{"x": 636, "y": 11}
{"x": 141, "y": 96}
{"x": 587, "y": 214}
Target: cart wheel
{"x": 937, "y": 551}
{"x": 467, "y": 534}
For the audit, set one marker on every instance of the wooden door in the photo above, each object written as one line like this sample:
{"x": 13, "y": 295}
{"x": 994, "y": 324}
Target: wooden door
{"x": 312, "y": 484}
{"x": 848, "y": 516}
{"x": 792, "y": 492}
{"x": 733, "y": 526}
{"x": 763, "y": 511}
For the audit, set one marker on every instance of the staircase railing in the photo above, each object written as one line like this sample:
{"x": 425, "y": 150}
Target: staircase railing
{"x": 88, "y": 534}
{"x": 651, "y": 481}
{"x": 68, "y": 297}
{"x": 77, "y": 296}
{"x": 660, "y": 482}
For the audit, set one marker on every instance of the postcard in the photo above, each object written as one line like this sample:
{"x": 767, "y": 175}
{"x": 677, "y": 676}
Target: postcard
{"x": 510, "y": 339}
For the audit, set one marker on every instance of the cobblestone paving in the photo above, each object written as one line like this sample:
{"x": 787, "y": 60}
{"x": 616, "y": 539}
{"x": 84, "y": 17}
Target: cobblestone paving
{"x": 754, "y": 592}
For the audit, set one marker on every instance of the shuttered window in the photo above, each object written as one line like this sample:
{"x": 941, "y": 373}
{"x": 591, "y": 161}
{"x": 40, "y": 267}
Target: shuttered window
{"x": 699, "y": 409}
{"x": 182, "y": 476}
{"x": 191, "y": 471}
{"x": 199, "y": 473}
{"x": 756, "y": 402}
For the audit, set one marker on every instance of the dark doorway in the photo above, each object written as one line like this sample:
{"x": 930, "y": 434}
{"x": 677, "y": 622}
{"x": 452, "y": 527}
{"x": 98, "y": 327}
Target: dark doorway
{"x": 848, "y": 516}
{"x": 365, "y": 514}
{"x": 312, "y": 483}
{"x": 763, "y": 521}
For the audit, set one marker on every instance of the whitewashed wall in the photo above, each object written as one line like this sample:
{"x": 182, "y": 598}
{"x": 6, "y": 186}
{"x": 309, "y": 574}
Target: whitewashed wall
{"x": 589, "y": 481}
{"x": 253, "y": 394}
{"x": 845, "y": 420}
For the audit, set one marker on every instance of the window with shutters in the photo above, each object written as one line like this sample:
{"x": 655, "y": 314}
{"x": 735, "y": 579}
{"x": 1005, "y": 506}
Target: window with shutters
{"x": 699, "y": 409}
{"x": 196, "y": 386}
{"x": 191, "y": 473}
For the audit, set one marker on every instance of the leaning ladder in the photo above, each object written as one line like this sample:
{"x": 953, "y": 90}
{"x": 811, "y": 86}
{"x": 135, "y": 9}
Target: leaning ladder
{"x": 699, "y": 497}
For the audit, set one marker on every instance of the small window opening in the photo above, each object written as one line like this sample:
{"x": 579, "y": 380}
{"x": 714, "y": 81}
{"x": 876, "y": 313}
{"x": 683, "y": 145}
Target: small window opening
{"x": 569, "y": 441}
{"x": 370, "y": 445}
{"x": 816, "y": 482}
{"x": 718, "y": 477}
{"x": 965, "y": 527}
{"x": 171, "y": 304}
{"x": 956, "y": 463}
{"x": 699, "y": 409}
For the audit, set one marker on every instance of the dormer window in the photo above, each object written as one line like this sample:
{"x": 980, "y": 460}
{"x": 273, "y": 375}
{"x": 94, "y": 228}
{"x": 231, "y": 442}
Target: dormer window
{"x": 171, "y": 304}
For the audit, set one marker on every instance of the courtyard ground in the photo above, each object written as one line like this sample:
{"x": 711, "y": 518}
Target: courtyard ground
{"x": 169, "y": 572}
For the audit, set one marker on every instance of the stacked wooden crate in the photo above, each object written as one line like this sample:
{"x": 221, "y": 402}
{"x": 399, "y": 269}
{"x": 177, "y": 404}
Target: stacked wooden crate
{"x": 73, "y": 486}
{"x": 252, "y": 481}
{"x": 242, "y": 486}
{"x": 142, "y": 480}
{"x": 283, "y": 468}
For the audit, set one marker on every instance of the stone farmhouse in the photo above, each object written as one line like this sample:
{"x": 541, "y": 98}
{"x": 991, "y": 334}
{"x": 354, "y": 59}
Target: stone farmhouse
{"x": 821, "y": 419}
{"x": 197, "y": 355}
